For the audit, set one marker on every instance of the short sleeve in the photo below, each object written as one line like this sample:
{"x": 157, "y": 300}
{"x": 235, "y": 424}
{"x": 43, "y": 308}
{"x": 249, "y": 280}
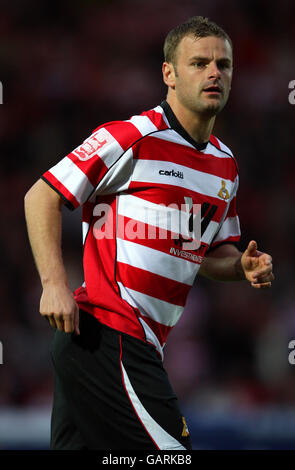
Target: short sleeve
{"x": 77, "y": 176}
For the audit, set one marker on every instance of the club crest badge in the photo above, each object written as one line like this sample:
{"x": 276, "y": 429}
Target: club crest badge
{"x": 223, "y": 192}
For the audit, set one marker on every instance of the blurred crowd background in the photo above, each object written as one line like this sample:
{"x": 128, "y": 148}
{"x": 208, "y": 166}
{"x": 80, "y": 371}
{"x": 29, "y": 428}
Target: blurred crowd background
{"x": 67, "y": 67}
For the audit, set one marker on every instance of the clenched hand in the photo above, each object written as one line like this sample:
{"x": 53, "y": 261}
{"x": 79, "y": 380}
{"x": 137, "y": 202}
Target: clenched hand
{"x": 59, "y": 307}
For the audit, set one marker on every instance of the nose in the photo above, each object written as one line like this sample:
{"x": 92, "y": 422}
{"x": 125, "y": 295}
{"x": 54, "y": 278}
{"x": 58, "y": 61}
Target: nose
{"x": 213, "y": 70}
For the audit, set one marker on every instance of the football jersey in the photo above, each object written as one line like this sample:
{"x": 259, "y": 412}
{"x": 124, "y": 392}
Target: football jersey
{"x": 153, "y": 201}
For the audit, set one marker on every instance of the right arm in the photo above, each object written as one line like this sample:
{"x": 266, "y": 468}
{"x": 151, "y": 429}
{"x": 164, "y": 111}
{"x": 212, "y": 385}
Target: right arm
{"x": 43, "y": 211}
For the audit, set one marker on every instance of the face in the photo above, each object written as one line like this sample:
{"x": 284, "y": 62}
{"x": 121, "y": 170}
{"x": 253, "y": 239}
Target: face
{"x": 203, "y": 73}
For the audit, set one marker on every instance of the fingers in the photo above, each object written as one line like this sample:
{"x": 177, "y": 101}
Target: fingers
{"x": 263, "y": 276}
{"x": 252, "y": 248}
{"x": 50, "y": 320}
{"x": 264, "y": 281}
{"x": 59, "y": 322}
{"x": 264, "y": 270}
{"x": 68, "y": 323}
{"x": 65, "y": 322}
{"x": 58, "y": 305}
{"x": 263, "y": 285}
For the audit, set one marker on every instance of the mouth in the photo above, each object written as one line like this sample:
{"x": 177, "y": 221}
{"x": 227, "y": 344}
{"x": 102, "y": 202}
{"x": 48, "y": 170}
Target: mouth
{"x": 212, "y": 90}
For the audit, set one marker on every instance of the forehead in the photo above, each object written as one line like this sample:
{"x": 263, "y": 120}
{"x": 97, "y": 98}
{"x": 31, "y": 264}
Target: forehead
{"x": 209, "y": 47}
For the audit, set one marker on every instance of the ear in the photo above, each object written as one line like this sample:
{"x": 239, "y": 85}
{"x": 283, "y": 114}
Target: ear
{"x": 168, "y": 74}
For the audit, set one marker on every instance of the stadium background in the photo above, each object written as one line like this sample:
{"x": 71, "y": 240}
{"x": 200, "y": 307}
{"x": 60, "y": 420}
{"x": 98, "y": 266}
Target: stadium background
{"x": 67, "y": 67}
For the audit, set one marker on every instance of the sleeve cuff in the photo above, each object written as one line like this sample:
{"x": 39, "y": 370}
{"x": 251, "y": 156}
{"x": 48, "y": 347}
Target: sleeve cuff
{"x": 67, "y": 203}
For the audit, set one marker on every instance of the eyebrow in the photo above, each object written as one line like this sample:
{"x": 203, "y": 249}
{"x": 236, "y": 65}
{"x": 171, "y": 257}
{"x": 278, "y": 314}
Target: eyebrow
{"x": 204, "y": 58}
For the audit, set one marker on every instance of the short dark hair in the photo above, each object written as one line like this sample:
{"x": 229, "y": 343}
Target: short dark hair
{"x": 199, "y": 27}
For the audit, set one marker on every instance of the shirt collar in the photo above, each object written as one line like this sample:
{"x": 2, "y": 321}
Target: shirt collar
{"x": 176, "y": 126}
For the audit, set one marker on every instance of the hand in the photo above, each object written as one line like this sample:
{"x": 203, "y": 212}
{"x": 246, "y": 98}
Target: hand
{"x": 59, "y": 307}
{"x": 257, "y": 266}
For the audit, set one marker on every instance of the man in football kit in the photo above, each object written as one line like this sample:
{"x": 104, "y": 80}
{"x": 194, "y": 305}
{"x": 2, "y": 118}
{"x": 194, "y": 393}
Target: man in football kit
{"x": 130, "y": 177}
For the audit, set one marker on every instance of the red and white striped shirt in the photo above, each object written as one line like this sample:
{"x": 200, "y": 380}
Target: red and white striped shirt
{"x": 137, "y": 181}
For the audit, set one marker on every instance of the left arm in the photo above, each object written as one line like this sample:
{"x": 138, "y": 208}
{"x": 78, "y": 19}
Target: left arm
{"x": 227, "y": 263}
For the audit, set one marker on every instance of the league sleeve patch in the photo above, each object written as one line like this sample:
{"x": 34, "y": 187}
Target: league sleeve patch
{"x": 93, "y": 144}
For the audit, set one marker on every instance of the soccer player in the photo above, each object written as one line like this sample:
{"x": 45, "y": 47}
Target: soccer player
{"x": 158, "y": 196}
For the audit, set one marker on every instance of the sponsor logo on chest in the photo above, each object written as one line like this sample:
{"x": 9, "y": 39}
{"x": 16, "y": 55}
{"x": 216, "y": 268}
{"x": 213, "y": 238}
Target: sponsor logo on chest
{"x": 176, "y": 174}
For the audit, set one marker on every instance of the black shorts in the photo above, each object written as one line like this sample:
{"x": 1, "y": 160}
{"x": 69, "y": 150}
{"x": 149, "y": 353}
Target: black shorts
{"x": 111, "y": 391}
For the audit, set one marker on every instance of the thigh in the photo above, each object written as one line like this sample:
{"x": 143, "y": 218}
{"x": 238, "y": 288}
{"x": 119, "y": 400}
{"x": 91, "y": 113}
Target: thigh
{"x": 117, "y": 390}
{"x": 64, "y": 434}
{"x": 150, "y": 393}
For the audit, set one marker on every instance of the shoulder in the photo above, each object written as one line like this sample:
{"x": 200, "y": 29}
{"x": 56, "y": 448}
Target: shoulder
{"x": 130, "y": 131}
{"x": 222, "y": 149}
{"x": 216, "y": 142}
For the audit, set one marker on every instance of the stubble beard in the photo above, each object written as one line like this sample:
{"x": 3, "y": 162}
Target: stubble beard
{"x": 210, "y": 110}
{"x": 205, "y": 108}
{"x": 200, "y": 106}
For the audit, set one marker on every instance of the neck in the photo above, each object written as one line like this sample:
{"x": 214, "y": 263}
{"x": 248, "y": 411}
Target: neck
{"x": 198, "y": 126}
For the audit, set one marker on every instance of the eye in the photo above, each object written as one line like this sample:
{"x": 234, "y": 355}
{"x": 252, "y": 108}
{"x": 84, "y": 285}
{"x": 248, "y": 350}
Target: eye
{"x": 224, "y": 65}
{"x": 199, "y": 64}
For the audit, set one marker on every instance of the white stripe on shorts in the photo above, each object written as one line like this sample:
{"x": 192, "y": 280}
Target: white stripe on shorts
{"x": 161, "y": 438}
